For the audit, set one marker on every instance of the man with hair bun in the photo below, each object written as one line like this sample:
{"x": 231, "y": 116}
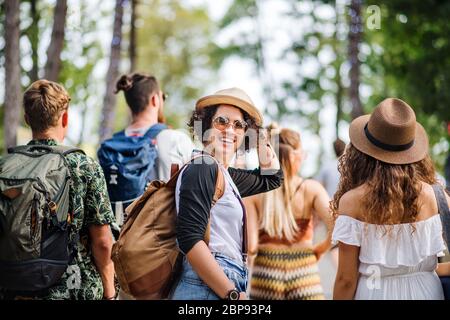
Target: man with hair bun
{"x": 155, "y": 147}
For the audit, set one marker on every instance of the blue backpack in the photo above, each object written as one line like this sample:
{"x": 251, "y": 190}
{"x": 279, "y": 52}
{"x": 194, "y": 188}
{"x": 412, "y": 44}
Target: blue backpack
{"x": 129, "y": 164}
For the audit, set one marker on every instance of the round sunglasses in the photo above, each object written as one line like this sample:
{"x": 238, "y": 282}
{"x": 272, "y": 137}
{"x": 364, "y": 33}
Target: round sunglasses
{"x": 222, "y": 123}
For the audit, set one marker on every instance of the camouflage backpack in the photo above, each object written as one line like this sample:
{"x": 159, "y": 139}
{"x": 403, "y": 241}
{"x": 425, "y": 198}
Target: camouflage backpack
{"x": 34, "y": 217}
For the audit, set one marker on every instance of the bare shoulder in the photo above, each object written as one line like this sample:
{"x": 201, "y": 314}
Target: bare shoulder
{"x": 316, "y": 193}
{"x": 350, "y": 202}
{"x": 314, "y": 187}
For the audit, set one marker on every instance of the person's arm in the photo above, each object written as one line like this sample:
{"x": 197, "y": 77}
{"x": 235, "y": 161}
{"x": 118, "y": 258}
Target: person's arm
{"x": 347, "y": 233}
{"x": 321, "y": 208}
{"x": 251, "y": 182}
{"x": 347, "y": 273}
{"x": 98, "y": 218}
{"x": 268, "y": 159}
{"x": 443, "y": 269}
{"x": 196, "y": 194}
{"x": 252, "y": 227}
{"x": 267, "y": 177}
{"x": 101, "y": 244}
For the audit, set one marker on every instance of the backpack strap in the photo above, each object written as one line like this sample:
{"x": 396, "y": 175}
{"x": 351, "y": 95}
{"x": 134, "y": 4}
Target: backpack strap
{"x": 151, "y": 133}
{"x": 444, "y": 210}
{"x": 30, "y": 150}
{"x": 65, "y": 150}
{"x": 218, "y": 193}
{"x": 155, "y": 130}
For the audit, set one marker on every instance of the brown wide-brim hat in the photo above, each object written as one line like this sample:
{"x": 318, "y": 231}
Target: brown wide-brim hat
{"x": 235, "y": 97}
{"x": 390, "y": 134}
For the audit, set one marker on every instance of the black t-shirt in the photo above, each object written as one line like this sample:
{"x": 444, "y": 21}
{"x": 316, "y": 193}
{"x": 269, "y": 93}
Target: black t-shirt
{"x": 197, "y": 190}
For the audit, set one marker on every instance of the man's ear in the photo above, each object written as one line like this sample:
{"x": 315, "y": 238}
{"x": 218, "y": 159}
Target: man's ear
{"x": 153, "y": 101}
{"x": 65, "y": 119}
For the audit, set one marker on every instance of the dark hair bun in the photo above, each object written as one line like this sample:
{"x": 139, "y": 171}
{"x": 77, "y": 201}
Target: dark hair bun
{"x": 125, "y": 83}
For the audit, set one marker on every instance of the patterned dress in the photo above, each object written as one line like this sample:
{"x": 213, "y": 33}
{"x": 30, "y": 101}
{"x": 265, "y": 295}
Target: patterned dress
{"x": 90, "y": 205}
{"x": 287, "y": 273}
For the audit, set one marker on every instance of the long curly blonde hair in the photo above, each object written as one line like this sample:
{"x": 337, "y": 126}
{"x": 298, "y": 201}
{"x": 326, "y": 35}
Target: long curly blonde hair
{"x": 393, "y": 190}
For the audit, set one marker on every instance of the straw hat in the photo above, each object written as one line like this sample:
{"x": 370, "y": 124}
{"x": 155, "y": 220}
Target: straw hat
{"x": 390, "y": 134}
{"x": 232, "y": 96}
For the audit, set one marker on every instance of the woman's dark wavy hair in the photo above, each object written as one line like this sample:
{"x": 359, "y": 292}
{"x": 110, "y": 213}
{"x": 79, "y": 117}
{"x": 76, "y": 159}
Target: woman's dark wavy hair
{"x": 137, "y": 88}
{"x": 206, "y": 115}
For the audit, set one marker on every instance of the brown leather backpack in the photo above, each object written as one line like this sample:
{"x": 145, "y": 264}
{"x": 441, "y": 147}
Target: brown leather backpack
{"x": 146, "y": 257}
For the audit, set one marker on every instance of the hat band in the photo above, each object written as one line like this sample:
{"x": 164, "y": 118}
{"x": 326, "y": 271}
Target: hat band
{"x": 385, "y": 146}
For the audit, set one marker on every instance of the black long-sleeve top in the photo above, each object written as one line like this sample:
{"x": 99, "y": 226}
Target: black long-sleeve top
{"x": 197, "y": 190}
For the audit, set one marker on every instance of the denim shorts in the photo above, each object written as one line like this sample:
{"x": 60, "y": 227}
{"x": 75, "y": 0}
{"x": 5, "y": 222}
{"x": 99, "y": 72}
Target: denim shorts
{"x": 191, "y": 287}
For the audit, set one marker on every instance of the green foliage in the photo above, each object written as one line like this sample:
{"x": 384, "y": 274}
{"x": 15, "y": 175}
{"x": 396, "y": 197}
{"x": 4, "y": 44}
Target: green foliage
{"x": 239, "y": 9}
{"x": 414, "y": 63}
{"x": 82, "y": 52}
{"x": 306, "y": 46}
{"x": 175, "y": 45}
{"x": 409, "y": 58}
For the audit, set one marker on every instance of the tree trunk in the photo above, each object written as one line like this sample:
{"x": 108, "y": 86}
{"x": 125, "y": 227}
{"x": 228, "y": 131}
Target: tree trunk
{"x": 339, "y": 95}
{"x": 12, "y": 72}
{"x": 354, "y": 39}
{"x": 53, "y": 65}
{"x": 132, "y": 48}
{"x": 338, "y": 63}
{"x": 34, "y": 40}
{"x": 109, "y": 102}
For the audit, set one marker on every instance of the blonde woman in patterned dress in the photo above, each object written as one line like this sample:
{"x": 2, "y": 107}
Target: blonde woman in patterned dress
{"x": 280, "y": 226}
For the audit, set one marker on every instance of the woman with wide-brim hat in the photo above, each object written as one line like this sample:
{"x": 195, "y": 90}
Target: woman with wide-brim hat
{"x": 211, "y": 226}
{"x": 387, "y": 224}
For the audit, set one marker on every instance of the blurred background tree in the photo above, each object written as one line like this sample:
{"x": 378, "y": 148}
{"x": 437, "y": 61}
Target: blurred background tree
{"x": 319, "y": 63}
{"x": 339, "y": 57}
{"x": 11, "y": 112}
{"x": 175, "y": 42}
{"x": 413, "y": 63}
{"x": 151, "y": 41}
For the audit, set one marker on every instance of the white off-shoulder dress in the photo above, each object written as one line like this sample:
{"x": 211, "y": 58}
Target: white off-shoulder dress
{"x": 397, "y": 262}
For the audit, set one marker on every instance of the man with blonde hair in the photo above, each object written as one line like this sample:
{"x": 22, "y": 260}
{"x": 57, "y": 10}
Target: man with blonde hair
{"x": 82, "y": 221}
